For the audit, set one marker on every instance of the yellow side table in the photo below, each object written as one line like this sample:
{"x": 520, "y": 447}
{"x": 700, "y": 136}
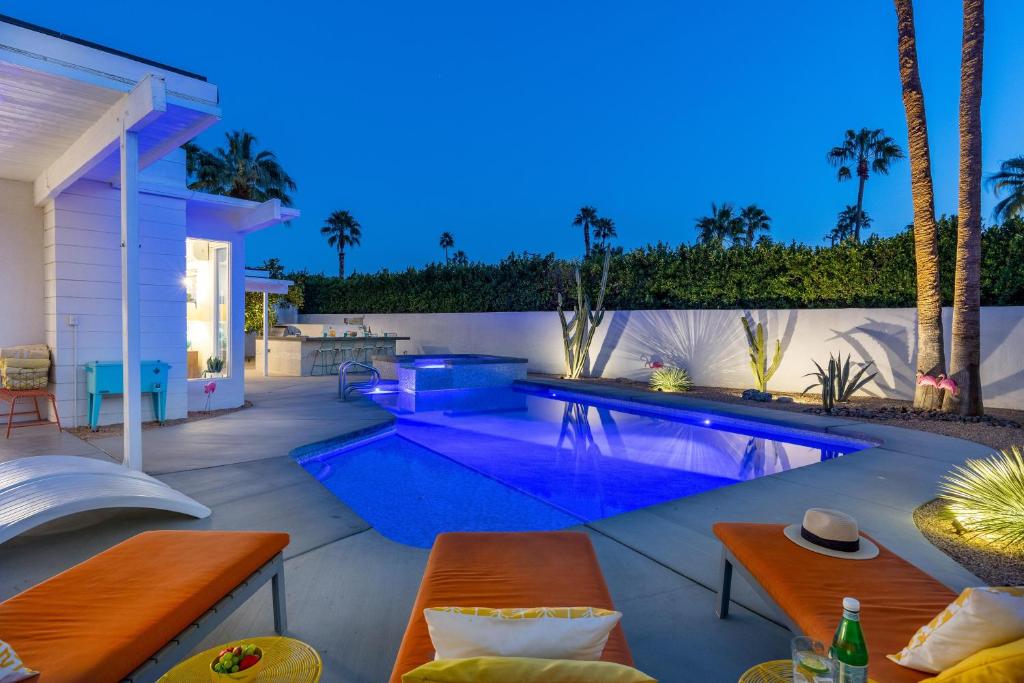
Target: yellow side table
{"x": 775, "y": 671}
{"x": 284, "y": 660}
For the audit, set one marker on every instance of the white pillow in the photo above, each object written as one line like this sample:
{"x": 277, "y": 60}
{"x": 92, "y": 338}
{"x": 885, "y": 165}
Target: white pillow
{"x": 11, "y": 667}
{"x": 979, "y": 618}
{"x": 541, "y": 632}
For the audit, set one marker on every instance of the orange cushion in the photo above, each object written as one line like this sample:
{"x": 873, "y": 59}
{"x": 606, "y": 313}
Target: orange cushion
{"x": 896, "y": 597}
{"x": 101, "y": 619}
{"x": 532, "y": 569}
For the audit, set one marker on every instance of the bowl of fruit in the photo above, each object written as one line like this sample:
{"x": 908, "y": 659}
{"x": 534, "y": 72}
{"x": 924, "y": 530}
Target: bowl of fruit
{"x": 238, "y": 663}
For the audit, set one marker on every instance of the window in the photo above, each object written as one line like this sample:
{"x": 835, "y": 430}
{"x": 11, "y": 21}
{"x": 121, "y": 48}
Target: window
{"x": 208, "y": 292}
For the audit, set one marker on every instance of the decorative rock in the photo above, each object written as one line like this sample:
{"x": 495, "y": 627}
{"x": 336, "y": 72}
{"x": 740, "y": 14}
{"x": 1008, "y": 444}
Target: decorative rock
{"x": 755, "y": 395}
{"x": 784, "y": 399}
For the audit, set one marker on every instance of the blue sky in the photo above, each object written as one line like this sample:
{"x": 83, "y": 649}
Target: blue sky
{"x": 496, "y": 121}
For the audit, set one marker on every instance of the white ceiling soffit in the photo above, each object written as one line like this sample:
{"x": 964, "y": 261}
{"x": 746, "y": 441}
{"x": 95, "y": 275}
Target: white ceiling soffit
{"x": 61, "y": 104}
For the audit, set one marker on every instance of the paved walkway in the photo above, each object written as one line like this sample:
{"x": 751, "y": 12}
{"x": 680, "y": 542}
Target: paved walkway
{"x": 350, "y": 590}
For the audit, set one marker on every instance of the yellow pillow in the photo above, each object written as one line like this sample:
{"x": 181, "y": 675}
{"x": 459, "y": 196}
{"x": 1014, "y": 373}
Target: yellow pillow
{"x": 979, "y": 618}
{"x": 543, "y": 632}
{"x": 1002, "y": 664}
{"x": 523, "y": 670}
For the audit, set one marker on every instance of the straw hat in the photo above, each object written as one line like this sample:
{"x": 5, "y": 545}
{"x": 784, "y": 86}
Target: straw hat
{"x": 832, "y": 533}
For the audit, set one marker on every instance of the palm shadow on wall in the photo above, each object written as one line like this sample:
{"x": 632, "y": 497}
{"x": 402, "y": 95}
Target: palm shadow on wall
{"x": 704, "y": 344}
{"x": 899, "y": 351}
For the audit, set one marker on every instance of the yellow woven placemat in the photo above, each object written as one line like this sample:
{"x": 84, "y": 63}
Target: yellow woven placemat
{"x": 285, "y": 659}
{"x": 775, "y": 671}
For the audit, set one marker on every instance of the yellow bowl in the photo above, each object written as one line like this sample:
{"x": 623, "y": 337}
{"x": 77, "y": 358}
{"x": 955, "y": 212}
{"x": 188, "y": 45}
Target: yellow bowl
{"x": 244, "y": 675}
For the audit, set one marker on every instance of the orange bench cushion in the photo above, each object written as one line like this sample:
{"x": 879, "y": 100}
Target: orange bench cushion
{"x": 896, "y": 597}
{"x": 532, "y": 569}
{"x": 101, "y": 619}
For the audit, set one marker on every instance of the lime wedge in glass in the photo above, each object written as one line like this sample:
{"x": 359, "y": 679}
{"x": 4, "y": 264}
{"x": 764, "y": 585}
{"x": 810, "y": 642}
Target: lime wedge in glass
{"x": 814, "y": 664}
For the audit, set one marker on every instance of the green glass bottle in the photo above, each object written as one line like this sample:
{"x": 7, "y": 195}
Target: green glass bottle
{"x": 849, "y": 650}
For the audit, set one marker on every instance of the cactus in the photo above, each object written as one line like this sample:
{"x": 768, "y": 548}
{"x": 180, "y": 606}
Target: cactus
{"x": 578, "y": 333}
{"x": 759, "y": 354}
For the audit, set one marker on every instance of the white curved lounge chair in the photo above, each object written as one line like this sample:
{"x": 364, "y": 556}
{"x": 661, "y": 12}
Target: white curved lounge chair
{"x": 40, "y": 489}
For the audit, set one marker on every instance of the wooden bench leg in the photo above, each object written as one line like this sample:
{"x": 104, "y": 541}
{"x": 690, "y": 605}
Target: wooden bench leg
{"x": 277, "y": 591}
{"x": 10, "y": 415}
{"x": 726, "y": 587}
{"x": 56, "y": 415}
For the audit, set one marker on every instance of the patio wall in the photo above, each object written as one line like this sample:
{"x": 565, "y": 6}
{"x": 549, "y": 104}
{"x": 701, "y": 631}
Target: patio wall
{"x": 711, "y": 344}
{"x": 21, "y": 233}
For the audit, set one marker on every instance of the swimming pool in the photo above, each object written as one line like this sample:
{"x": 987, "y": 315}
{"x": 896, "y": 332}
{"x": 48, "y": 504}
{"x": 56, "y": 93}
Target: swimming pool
{"x": 522, "y": 458}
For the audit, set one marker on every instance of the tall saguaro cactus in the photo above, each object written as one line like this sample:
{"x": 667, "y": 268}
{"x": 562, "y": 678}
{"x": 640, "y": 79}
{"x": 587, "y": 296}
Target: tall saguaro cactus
{"x": 579, "y": 332}
{"x": 759, "y": 354}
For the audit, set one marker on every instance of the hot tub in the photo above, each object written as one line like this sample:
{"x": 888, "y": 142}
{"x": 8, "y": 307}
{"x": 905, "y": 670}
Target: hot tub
{"x": 450, "y": 371}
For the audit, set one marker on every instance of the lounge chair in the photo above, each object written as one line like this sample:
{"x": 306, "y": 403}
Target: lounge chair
{"x": 532, "y": 569}
{"x": 896, "y": 597}
{"x": 133, "y": 611}
{"x": 43, "y": 488}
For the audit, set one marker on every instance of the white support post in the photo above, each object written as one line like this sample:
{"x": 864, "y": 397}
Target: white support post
{"x": 266, "y": 335}
{"x": 130, "y": 353}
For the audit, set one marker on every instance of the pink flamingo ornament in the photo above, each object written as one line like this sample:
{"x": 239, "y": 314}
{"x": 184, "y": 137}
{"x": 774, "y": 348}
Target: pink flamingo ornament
{"x": 208, "y": 389}
{"x": 948, "y": 384}
{"x": 927, "y": 380}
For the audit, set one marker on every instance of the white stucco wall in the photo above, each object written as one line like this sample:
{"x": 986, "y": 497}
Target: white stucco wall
{"x": 711, "y": 344}
{"x": 21, "y": 265}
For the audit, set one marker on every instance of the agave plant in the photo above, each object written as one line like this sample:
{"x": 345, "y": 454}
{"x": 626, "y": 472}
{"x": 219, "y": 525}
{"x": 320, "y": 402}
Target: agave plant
{"x": 671, "y": 379}
{"x": 987, "y": 496}
{"x": 838, "y": 378}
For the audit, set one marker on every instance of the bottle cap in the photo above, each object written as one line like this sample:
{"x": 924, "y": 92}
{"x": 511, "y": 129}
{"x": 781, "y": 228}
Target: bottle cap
{"x": 851, "y": 604}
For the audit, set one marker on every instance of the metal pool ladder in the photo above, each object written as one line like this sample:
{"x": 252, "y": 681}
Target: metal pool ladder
{"x": 345, "y": 388}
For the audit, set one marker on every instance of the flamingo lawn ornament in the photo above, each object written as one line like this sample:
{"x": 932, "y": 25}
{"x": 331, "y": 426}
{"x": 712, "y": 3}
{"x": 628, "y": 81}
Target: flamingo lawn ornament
{"x": 208, "y": 389}
{"x": 948, "y": 384}
{"x": 927, "y": 380}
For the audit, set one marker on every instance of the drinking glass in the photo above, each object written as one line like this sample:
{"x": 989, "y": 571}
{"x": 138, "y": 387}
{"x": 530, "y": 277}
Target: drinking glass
{"x": 811, "y": 663}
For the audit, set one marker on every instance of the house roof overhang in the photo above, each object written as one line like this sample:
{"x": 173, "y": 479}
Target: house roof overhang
{"x": 64, "y": 104}
{"x": 257, "y": 281}
{"x": 238, "y": 215}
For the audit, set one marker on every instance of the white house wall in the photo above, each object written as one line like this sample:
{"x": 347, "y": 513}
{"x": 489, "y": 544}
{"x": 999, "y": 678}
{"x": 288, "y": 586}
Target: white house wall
{"x": 82, "y": 267}
{"x": 21, "y": 265}
{"x": 711, "y": 344}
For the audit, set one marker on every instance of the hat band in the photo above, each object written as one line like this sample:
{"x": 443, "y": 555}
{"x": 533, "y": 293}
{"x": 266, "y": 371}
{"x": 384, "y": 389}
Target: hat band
{"x": 841, "y": 546}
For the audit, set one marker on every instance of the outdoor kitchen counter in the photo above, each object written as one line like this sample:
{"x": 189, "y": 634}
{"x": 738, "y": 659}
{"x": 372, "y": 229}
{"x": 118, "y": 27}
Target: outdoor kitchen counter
{"x": 295, "y": 355}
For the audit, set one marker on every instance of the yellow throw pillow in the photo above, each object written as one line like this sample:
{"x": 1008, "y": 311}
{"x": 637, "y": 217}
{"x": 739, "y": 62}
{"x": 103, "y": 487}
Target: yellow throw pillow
{"x": 1002, "y": 664}
{"x": 545, "y": 632}
{"x": 11, "y": 667}
{"x": 979, "y": 618}
{"x": 523, "y": 670}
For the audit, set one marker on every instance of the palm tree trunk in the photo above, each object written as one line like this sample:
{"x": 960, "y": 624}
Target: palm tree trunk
{"x": 341, "y": 262}
{"x": 860, "y": 211}
{"x": 931, "y": 355}
{"x": 586, "y": 240}
{"x": 965, "y": 356}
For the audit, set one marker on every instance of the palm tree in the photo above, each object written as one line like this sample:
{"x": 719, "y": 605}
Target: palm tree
{"x": 459, "y": 258}
{"x": 965, "y": 351}
{"x": 447, "y": 242}
{"x": 846, "y": 223}
{"x": 342, "y": 230}
{"x": 754, "y": 220}
{"x": 585, "y": 218}
{"x": 868, "y": 151}
{"x": 931, "y": 356}
{"x": 604, "y": 230}
{"x": 238, "y": 170}
{"x": 1011, "y": 179}
{"x": 720, "y": 226}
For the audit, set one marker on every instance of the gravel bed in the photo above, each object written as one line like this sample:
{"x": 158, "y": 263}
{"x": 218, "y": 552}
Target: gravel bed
{"x": 993, "y": 565}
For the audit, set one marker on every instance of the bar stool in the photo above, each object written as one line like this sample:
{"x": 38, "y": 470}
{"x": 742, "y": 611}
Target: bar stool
{"x": 325, "y": 359}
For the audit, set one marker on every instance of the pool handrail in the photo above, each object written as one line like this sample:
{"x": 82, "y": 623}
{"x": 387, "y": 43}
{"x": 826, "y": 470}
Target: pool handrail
{"x": 344, "y": 388}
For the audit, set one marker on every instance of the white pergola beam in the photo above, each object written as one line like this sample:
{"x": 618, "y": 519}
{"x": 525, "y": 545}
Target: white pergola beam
{"x": 134, "y": 111}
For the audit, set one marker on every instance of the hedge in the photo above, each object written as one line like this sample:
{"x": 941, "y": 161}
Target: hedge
{"x": 876, "y": 273}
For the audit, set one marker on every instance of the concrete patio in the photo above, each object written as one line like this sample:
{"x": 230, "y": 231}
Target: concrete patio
{"x": 350, "y": 590}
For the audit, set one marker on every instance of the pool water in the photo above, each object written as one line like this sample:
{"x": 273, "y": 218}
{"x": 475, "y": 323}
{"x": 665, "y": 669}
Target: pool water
{"x": 519, "y": 459}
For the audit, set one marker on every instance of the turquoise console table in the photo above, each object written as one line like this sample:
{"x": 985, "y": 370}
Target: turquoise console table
{"x": 103, "y": 378}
